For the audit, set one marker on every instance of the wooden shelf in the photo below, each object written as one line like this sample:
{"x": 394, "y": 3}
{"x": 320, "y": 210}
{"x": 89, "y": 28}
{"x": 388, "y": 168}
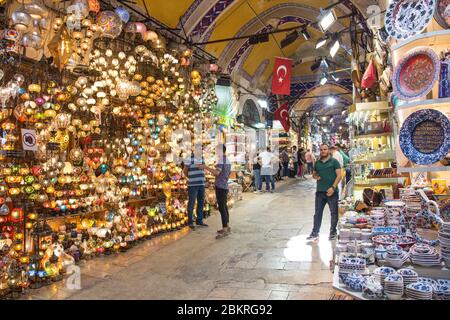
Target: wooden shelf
{"x": 423, "y": 169}
{"x": 372, "y": 135}
{"x": 379, "y": 182}
{"x": 424, "y": 39}
{"x": 424, "y": 103}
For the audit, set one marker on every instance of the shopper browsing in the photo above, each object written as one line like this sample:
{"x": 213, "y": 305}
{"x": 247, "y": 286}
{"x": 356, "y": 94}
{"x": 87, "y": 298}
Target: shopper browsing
{"x": 295, "y": 162}
{"x": 309, "y": 157}
{"x": 327, "y": 172}
{"x": 267, "y": 162}
{"x": 194, "y": 171}
{"x": 257, "y": 182}
{"x": 222, "y": 173}
{"x": 284, "y": 157}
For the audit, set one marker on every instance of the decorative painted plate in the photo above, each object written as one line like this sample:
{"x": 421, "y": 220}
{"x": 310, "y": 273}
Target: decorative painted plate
{"x": 406, "y": 18}
{"x": 442, "y": 13}
{"x": 425, "y": 136}
{"x": 416, "y": 73}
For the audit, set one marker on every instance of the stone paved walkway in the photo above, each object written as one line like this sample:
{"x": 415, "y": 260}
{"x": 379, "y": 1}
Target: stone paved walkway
{"x": 266, "y": 257}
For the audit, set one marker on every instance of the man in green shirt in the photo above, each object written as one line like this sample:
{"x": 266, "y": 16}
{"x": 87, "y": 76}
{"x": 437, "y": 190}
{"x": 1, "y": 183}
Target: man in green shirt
{"x": 328, "y": 173}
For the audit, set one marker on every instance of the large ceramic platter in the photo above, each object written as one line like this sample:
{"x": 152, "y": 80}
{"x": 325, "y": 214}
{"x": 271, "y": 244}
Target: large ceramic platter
{"x": 425, "y": 136}
{"x": 416, "y": 73}
{"x": 406, "y": 18}
{"x": 442, "y": 13}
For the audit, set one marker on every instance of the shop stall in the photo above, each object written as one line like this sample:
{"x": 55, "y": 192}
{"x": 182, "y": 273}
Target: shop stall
{"x": 92, "y": 104}
{"x": 396, "y": 245}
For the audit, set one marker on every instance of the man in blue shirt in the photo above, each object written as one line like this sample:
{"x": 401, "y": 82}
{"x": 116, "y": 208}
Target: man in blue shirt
{"x": 195, "y": 174}
{"x": 222, "y": 173}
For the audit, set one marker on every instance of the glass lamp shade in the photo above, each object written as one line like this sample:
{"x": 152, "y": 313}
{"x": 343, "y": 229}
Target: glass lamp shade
{"x": 109, "y": 23}
{"x": 36, "y": 11}
{"x": 32, "y": 40}
{"x": 123, "y": 14}
{"x": 62, "y": 120}
{"x": 21, "y": 20}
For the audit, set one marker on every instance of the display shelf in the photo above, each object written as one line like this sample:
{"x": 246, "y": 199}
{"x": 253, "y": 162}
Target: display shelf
{"x": 379, "y": 182}
{"x": 370, "y": 106}
{"x": 372, "y": 135}
{"x": 430, "y": 272}
{"x": 424, "y": 39}
{"x": 423, "y": 103}
{"x": 385, "y": 157}
{"x": 423, "y": 169}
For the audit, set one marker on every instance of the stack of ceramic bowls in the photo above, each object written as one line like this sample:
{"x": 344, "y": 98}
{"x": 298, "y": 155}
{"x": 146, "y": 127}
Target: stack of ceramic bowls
{"x": 419, "y": 291}
{"x": 444, "y": 240}
{"x": 429, "y": 281}
{"x": 382, "y": 272}
{"x": 366, "y": 234}
{"x": 341, "y": 248}
{"x": 344, "y": 234}
{"x": 355, "y": 234}
{"x": 394, "y": 209}
{"x": 378, "y": 217}
{"x": 393, "y": 286}
{"x": 355, "y": 281}
{"x": 350, "y": 265}
{"x": 409, "y": 276}
{"x": 442, "y": 291}
{"x": 424, "y": 255}
{"x": 395, "y": 256}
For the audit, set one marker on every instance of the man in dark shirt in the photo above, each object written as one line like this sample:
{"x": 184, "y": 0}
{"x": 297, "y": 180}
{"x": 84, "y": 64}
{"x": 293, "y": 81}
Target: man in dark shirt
{"x": 222, "y": 173}
{"x": 193, "y": 170}
{"x": 327, "y": 172}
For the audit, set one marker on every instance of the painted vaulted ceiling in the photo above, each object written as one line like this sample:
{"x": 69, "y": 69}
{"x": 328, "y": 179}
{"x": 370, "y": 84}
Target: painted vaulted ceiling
{"x": 206, "y": 20}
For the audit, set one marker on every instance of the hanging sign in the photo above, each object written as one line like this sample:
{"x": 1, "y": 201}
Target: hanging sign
{"x": 29, "y": 141}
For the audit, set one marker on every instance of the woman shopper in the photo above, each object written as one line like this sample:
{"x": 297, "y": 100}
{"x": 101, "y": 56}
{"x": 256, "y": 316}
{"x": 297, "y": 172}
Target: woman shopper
{"x": 222, "y": 173}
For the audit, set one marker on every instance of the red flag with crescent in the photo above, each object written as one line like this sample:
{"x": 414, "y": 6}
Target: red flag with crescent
{"x": 281, "y": 78}
{"x": 282, "y": 115}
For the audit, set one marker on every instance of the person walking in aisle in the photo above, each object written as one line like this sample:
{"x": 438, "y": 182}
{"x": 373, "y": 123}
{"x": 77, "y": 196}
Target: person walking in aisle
{"x": 222, "y": 173}
{"x": 338, "y": 156}
{"x": 301, "y": 170}
{"x": 267, "y": 162}
{"x": 194, "y": 171}
{"x": 284, "y": 157}
{"x": 327, "y": 172}
{"x": 294, "y": 155}
{"x": 257, "y": 182}
{"x": 309, "y": 157}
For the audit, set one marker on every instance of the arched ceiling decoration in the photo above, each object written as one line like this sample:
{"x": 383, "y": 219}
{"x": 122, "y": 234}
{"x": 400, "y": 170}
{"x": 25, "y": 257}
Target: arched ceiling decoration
{"x": 208, "y": 20}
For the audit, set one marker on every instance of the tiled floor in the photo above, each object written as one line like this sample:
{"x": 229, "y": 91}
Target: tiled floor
{"x": 266, "y": 257}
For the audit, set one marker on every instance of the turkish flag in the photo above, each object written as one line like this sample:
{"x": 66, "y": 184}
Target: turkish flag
{"x": 282, "y": 115}
{"x": 281, "y": 78}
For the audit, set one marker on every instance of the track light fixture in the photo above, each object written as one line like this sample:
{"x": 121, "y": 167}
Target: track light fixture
{"x": 326, "y": 19}
{"x": 289, "y": 39}
{"x": 321, "y": 42}
{"x": 334, "y": 47}
{"x": 324, "y": 79}
{"x": 305, "y": 33}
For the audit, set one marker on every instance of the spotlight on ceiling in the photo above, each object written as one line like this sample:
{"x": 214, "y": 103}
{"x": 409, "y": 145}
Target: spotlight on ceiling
{"x": 305, "y": 33}
{"x": 331, "y": 101}
{"x": 326, "y": 19}
{"x": 263, "y": 104}
{"x": 290, "y": 38}
{"x": 324, "y": 63}
{"x": 335, "y": 78}
{"x": 323, "y": 80}
{"x": 321, "y": 42}
{"x": 334, "y": 48}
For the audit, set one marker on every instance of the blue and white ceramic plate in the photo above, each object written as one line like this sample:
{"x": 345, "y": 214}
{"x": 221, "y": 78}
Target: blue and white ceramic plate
{"x": 421, "y": 287}
{"x": 406, "y": 18}
{"x": 407, "y": 272}
{"x": 444, "y": 282}
{"x": 423, "y": 148}
{"x": 429, "y": 281}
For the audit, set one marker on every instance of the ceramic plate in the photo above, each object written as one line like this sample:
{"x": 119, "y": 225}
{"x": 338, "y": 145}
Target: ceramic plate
{"x": 416, "y": 73}
{"x": 406, "y": 18}
{"x": 425, "y": 136}
{"x": 442, "y": 13}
